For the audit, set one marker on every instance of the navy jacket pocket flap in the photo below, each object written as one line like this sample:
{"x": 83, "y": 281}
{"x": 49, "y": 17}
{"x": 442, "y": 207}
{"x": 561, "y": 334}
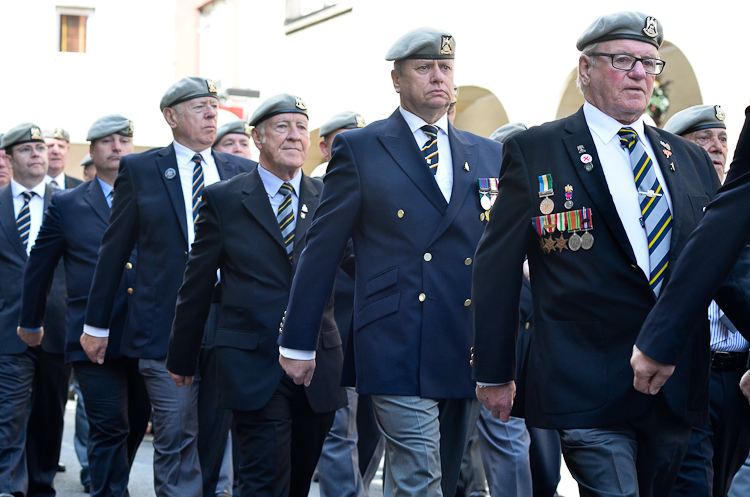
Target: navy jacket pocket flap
{"x": 381, "y": 281}
{"x": 245, "y": 340}
{"x": 377, "y": 309}
{"x": 331, "y": 338}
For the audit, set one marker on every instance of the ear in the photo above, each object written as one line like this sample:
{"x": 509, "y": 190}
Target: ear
{"x": 257, "y": 139}
{"x": 91, "y": 148}
{"x": 170, "y": 116}
{"x": 323, "y": 148}
{"x": 584, "y": 66}
{"x": 396, "y": 83}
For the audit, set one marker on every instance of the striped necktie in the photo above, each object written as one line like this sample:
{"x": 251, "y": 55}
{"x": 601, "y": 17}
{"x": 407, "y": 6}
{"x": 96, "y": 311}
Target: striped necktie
{"x": 110, "y": 198}
{"x": 430, "y": 148}
{"x": 197, "y": 186}
{"x": 54, "y": 184}
{"x": 285, "y": 217}
{"x": 657, "y": 219}
{"x": 23, "y": 221}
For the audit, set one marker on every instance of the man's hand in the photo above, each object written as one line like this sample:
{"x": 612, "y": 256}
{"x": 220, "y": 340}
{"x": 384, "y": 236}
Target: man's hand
{"x": 498, "y": 399}
{"x": 95, "y": 347}
{"x": 745, "y": 385}
{"x": 31, "y": 338}
{"x": 650, "y": 375}
{"x": 300, "y": 371}
{"x": 181, "y": 381}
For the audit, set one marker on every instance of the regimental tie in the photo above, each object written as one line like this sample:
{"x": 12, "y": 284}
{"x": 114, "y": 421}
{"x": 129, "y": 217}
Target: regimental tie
{"x": 110, "y": 198}
{"x": 285, "y": 217}
{"x": 54, "y": 184}
{"x": 657, "y": 219}
{"x": 197, "y": 186}
{"x": 23, "y": 221}
{"x": 430, "y": 149}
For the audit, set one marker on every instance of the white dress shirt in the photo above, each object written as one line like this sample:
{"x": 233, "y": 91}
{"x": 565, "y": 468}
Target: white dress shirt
{"x": 272, "y": 183}
{"x": 59, "y": 179}
{"x": 724, "y": 335}
{"x": 36, "y": 208}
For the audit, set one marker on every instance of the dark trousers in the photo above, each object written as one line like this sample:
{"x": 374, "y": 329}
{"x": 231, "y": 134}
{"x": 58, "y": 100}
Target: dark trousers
{"x": 280, "y": 443}
{"x": 717, "y": 450}
{"x": 545, "y": 459}
{"x": 640, "y": 458}
{"x": 118, "y": 409}
{"x": 49, "y": 394}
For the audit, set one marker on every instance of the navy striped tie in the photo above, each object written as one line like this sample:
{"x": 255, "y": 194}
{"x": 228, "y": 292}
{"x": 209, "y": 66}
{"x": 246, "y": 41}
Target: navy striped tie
{"x": 285, "y": 217}
{"x": 197, "y": 186}
{"x": 430, "y": 148}
{"x": 23, "y": 221}
{"x": 657, "y": 219}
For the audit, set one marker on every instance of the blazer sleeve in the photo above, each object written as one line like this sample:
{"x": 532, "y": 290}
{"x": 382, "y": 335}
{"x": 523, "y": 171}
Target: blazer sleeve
{"x": 325, "y": 246}
{"x": 715, "y": 249}
{"x": 117, "y": 244}
{"x": 40, "y": 267}
{"x": 194, "y": 297}
{"x": 498, "y": 272}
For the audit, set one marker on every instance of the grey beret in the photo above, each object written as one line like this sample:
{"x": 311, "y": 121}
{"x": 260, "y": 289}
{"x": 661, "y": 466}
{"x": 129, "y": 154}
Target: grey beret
{"x": 278, "y": 104}
{"x": 26, "y": 132}
{"x": 57, "y": 133}
{"x": 423, "y": 43}
{"x": 623, "y": 25}
{"x": 1, "y": 141}
{"x": 114, "y": 123}
{"x": 188, "y": 89}
{"x": 504, "y": 132}
{"x": 695, "y": 118}
{"x": 342, "y": 120}
{"x": 86, "y": 160}
{"x": 238, "y": 127}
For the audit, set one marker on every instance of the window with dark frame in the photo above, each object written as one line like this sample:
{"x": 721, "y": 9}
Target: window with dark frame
{"x": 73, "y": 33}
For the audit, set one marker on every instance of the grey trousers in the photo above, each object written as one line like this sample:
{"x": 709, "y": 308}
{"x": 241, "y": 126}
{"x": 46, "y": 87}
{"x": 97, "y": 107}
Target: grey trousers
{"x": 505, "y": 455}
{"x": 177, "y": 471}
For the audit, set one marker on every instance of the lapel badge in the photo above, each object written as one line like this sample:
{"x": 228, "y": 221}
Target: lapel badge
{"x": 589, "y": 167}
{"x": 466, "y": 166}
{"x": 651, "y": 29}
{"x": 568, "y": 197}
{"x": 211, "y": 86}
{"x": 248, "y": 129}
{"x": 671, "y": 166}
{"x": 360, "y": 121}
{"x": 59, "y": 133}
{"x": 304, "y": 207}
{"x": 36, "y": 133}
{"x": 446, "y": 45}
{"x": 719, "y": 113}
{"x": 668, "y": 153}
{"x": 665, "y": 145}
{"x": 302, "y": 215}
{"x": 299, "y": 103}
{"x": 131, "y": 127}
{"x": 170, "y": 173}
{"x": 581, "y": 149}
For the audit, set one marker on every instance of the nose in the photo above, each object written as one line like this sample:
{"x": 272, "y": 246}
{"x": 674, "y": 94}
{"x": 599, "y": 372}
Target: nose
{"x": 436, "y": 74}
{"x": 211, "y": 112}
{"x": 715, "y": 145}
{"x": 637, "y": 72}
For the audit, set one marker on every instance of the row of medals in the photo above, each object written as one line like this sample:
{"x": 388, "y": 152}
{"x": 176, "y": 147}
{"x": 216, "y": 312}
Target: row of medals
{"x": 576, "y": 241}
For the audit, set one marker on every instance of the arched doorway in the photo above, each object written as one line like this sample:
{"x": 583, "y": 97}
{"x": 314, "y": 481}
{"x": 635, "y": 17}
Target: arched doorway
{"x": 479, "y": 111}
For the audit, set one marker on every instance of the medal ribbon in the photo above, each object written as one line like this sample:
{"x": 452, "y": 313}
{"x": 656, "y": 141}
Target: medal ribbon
{"x": 545, "y": 185}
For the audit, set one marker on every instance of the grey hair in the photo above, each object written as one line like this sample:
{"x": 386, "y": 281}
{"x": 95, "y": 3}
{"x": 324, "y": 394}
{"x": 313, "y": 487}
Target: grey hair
{"x": 587, "y": 52}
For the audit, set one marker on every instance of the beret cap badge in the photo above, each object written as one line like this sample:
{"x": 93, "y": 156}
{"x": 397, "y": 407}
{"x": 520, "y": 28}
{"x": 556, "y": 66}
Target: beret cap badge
{"x": 360, "y": 121}
{"x": 131, "y": 127}
{"x": 720, "y": 113}
{"x": 299, "y": 103}
{"x": 247, "y": 129}
{"x": 59, "y": 134}
{"x": 36, "y": 133}
{"x": 446, "y": 45}
{"x": 651, "y": 30}
{"x": 211, "y": 86}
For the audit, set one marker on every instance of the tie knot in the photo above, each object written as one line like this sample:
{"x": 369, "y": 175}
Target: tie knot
{"x": 27, "y": 196}
{"x": 197, "y": 158}
{"x": 628, "y": 137}
{"x": 430, "y": 129}
{"x": 286, "y": 189}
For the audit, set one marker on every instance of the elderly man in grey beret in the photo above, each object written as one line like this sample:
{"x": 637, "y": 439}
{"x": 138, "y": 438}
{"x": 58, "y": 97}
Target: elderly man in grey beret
{"x": 89, "y": 171}
{"x": 114, "y": 394}
{"x": 727, "y": 435}
{"x": 6, "y": 167}
{"x": 329, "y": 130}
{"x": 157, "y": 199}
{"x": 28, "y": 457}
{"x": 409, "y": 192}
{"x": 58, "y": 148}
{"x": 234, "y": 138}
{"x": 602, "y": 205}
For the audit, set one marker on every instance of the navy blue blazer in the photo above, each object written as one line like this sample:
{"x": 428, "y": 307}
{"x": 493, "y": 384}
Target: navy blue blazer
{"x": 413, "y": 255}
{"x": 717, "y": 247}
{"x": 149, "y": 211}
{"x": 12, "y": 261}
{"x": 73, "y": 227}
{"x": 588, "y": 305}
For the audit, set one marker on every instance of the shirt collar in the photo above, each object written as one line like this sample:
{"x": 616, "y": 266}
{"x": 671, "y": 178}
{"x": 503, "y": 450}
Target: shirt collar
{"x": 606, "y": 127}
{"x": 106, "y": 187}
{"x": 415, "y": 122}
{"x": 272, "y": 183}
{"x": 185, "y": 155}
{"x": 17, "y": 188}
{"x": 60, "y": 178}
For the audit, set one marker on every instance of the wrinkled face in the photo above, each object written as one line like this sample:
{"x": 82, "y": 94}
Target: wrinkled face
{"x": 622, "y": 95}
{"x": 29, "y": 162}
{"x": 196, "y": 121}
{"x": 285, "y": 141}
{"x": 235, "y": 144}
{"x": 57, "y": 155}
{"x": 6, "y": 169}
{"x": 426, "y": 86}
{"x": 327, "y": 143}
{"x": 107, "y": 151}
{"x": 714, "y": 141}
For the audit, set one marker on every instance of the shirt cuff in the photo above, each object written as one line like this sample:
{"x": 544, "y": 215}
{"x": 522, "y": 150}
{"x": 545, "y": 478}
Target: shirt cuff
{"x": 298, "y": 355}
{"x": 95, "y": 332}
{"x": 483, "y": 384}
{"x": 33, "y": 330}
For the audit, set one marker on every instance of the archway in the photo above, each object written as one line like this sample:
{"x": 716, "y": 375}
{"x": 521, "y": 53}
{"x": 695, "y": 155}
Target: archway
{"x": 479, "y": 111}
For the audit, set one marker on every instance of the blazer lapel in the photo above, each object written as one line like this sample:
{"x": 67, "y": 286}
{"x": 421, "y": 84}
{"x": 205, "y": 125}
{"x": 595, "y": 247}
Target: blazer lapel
{"x": 168, "y": 160}
{"x": 226, "y": 170}
{"x": 94, "y": 196}
{"x": 309, "y": 198}
{"x": 399, "y": 143}
{"x": 594, "y": 181}
{"x": 674, "y": 183}
{"x": 8, "y": 221}
{"x": 257, "y": 203}
{"x": 463, "y": 152}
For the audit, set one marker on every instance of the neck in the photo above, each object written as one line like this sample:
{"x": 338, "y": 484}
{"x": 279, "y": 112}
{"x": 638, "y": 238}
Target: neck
{"x": 430, "y": 116}
{"x": 28, "y": 183}
{"x": 194, "y": 146}
{"x": 284, "y": 173}
{"x": 107, "y": 176}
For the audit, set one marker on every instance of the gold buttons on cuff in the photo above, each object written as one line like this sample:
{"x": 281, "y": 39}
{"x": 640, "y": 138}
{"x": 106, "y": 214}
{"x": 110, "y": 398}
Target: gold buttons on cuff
{"x": 468, "y": 261}
{"x": 400, "y": 213}
{"x": 422, "y": 296}
{"x": 128, "y": 266}
{"x": 467, "y": 302}
{"x": 471, "y": 362}
{"x": 428, "y": 257}
{"x": 130, "y": 291}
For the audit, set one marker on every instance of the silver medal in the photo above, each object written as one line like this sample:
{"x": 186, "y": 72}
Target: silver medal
{"x": 587, "y": 241}
{"x": 574, "y": 242}
{"x": 485, "y": 202}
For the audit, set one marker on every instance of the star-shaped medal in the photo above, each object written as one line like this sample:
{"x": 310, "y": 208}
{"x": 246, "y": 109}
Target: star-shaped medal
{"x": 549, "y": 245}
{"x": 560, "y": 243}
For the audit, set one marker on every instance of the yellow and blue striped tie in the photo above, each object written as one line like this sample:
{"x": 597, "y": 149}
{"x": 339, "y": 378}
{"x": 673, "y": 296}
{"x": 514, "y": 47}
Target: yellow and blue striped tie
{"x": 23, "y": 221}
{"x": 430, "y": 149}
{"x": 656, "y": 217}
{"x": 285, "y": 217}
{"x": 197, "y": 186}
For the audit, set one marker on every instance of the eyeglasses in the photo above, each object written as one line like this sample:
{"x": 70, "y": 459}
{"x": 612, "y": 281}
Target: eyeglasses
{"x": 40, "y": 148}
{"x": 625, "y": 62}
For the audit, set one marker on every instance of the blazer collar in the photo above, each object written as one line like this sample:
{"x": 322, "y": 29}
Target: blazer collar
{"x": 168, "y": 160}
{"x": 8, "y": 221}
{"x": 94, "y": 196}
